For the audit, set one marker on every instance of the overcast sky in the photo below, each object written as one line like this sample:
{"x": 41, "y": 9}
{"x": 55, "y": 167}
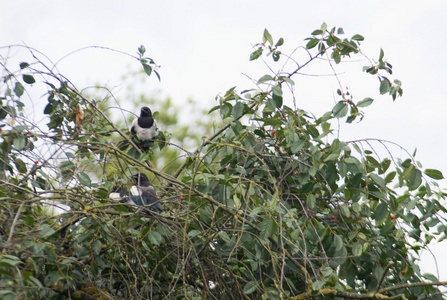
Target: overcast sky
{"x": 203, "y": 49}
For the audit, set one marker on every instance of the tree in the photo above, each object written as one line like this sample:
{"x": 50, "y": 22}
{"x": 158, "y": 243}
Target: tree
{"x": 270, "y": 205}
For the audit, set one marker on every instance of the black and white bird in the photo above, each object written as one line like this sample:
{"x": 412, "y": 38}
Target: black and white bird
{"x": 142, "y": 194}
{"x": 145, "y": 127}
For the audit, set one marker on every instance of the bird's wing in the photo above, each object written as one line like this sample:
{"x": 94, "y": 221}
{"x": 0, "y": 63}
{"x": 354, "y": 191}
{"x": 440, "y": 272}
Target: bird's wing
{"x": 145, "y": 196}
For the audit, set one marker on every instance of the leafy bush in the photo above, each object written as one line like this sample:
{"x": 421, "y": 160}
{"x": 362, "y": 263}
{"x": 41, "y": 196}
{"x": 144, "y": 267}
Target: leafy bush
{"x": 271, "y": 205}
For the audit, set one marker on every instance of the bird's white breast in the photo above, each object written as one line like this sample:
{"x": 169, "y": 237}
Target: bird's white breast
{"x": 145, "y": 134}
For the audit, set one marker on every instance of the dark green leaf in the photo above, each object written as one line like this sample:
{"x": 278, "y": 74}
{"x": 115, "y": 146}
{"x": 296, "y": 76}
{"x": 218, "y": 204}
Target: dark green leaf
{"x": 21, "y": 166}
{"x": 268, "y": 228}
{"x": 381, "y": 211}
{"x": 312, "y": 43}
{"x": 147, "y": 69}
{"x": 250, "y": 287}
{"x": 29, "y": 79}
{"x": 279, "y": 42}
{"x": 24, "y": 65}
{"x": 84, "y": 179}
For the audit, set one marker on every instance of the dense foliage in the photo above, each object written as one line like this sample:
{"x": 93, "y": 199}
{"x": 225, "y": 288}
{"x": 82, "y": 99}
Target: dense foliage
{"x": 270, "y": 205}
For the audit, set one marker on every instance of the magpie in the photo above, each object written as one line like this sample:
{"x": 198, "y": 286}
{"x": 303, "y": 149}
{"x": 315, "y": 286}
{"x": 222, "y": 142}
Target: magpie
{"x": 143, "y": 193}
{"x": 145, "y": 127}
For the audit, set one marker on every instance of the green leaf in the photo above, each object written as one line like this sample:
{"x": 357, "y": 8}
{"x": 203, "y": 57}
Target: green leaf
{"x": 435, "y": 174}
{"x": 238, "y": 110}
{"x": 21, "y": 166}
{"x": 46, "y": 230}
{"x": 415, "y": 179}
{"x": 381, "y": 211}
{"x": 357, "y": 249}
{"x": 338, "y": 242}
{"x": 297, "y": 146}
{"x": 377, "y": 179}
{"x": 147, "y": 69}
{"x": 385, "y": 86}
{"x": 52, "y": 278}
{"x": 381, "y": 55}
{"x": 279, "y": 42}
{"x": 365, "y": 102}
{"x": 250, "y": 287}
{"x": 19, "y": 142}
{"x": 265, "y": 78}
{"x": 24, "y": 65}
{"x": 336, "y": 56}
{"x": 155, "y": 238}
{"x": 256, "y": 54}
{"x": 268, "y": 228}
{"x": 84, "y": 179}
{"x": 358, "y": 37}
{"x": 312, "y": 43}
{"x": 340, "y": 109}
{"x": 29, "y": 79}
{"x": 19, "y": 89}
{"x": 268, "y": 37}
{"x": 97, "y": 246}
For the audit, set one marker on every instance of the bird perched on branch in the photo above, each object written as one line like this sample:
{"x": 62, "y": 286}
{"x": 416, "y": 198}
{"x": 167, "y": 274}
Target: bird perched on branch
{"x": 145, "y": 128}
{"x": 142, "y": 194}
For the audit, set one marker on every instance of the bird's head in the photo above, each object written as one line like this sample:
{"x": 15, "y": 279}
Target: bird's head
{"x": 140, "y": 177}
{"x": 146, "y": 112}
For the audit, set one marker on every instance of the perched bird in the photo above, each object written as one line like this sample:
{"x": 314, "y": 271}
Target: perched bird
{"x": 143, "y": 193}
{"x": 145, "y": 127}
{"x": 118, "y": 194}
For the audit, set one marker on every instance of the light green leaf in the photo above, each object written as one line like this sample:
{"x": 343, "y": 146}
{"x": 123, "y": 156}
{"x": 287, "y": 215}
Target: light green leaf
{"x": 265, "y": 78}
{"x": 340, "y": 109}
{"x": 154, "y": 237}
{"x": 365, "y": 102}
{"x": 338, "y": 242}
{"x": 268, "y": 37}
{"x": 385, "y": 86}
{"x": 357, "y": 249}
{"x": 256, "y": 54}
{"x": 415, "y": 179}
{"x": 19, "y": 142}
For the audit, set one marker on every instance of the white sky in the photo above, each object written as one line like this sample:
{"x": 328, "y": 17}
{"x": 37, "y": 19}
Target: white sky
{"x": 203, "y": 49}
